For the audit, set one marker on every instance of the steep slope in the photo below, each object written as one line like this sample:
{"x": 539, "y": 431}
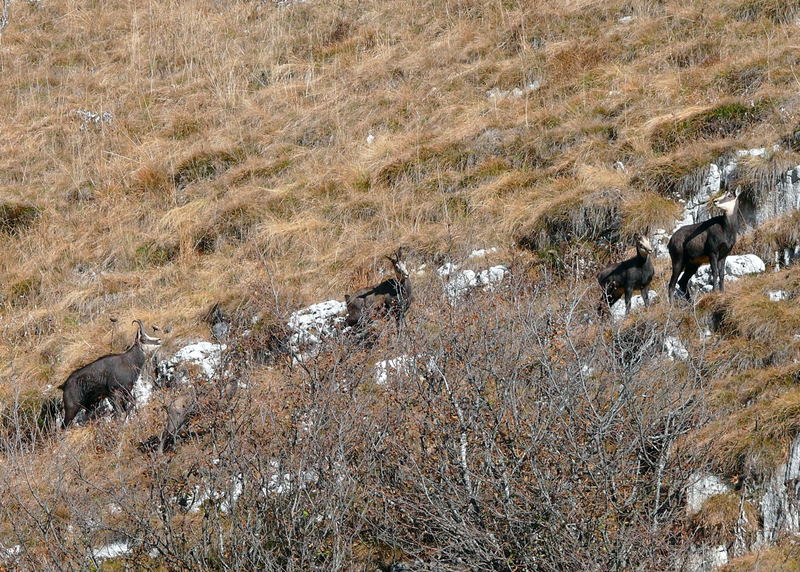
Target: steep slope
{"x": 158, "y": 158}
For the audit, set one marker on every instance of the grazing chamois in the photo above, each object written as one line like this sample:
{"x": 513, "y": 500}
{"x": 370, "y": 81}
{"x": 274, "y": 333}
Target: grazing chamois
{"x": 707, "y": 242}
{"x": 624, "y": 277}
{"x": 110, "y": 376}
{"x": 391, "y": 297}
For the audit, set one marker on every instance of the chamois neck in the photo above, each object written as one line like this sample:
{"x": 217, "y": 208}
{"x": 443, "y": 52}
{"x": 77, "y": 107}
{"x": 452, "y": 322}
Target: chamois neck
{"x": 731, "y": 219}
{"x": 135, "y": 350}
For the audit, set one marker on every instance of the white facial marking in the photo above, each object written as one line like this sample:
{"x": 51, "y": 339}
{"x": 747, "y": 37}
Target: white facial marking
{"x": 728, "y": 204}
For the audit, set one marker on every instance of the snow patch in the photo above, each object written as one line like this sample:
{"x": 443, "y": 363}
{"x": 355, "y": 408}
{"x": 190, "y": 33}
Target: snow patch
{"x": 230, "y": 498}
{"x": 401, "y": 365}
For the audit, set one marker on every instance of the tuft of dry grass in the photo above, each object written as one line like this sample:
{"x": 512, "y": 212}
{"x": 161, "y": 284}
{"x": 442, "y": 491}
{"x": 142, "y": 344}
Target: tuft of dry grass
{"x": 279, "y": 149}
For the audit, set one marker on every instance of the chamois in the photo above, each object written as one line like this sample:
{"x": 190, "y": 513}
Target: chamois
{"x": 624, "y": 277}
{"x": 392, "y": 296}
{"x": 707, "y": 242}
{"x": 110, "y": 376}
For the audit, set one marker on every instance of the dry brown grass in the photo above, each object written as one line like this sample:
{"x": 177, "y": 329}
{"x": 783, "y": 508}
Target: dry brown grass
{"x": 237, "y": 156}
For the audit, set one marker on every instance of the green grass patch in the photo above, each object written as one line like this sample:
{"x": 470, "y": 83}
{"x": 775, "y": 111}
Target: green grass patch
{"x": 721, "y": 121}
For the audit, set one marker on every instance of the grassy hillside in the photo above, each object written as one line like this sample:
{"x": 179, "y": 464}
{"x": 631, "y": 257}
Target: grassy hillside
{"x": 156, "y": 158}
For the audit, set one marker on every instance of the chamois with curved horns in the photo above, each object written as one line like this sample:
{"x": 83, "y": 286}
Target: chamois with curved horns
{"x": 707, "y": 242}
{"x": 624, "y": 277}
{"x": 111, "y": 376}
{"x": 391, "y": 297}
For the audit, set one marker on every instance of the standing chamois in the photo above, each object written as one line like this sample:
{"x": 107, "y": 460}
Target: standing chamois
{"x": 623, "y": 278}
{"x": 110, "y": 376}
{"x": 707, "y": 242}
{"x": 391, "y": 297}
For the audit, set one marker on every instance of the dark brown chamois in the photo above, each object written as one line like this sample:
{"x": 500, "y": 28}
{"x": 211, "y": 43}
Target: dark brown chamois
{"x": 111, "y": 376}
{"x": 624, "y": 277}
{"x": 391, "y": 297}
{"x": 707, "y": 242}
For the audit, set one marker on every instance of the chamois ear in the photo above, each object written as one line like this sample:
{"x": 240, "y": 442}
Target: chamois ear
{"x": 346, "y": 298}
{"x": 637, "y": 237}
{"x": 737, "y": 192}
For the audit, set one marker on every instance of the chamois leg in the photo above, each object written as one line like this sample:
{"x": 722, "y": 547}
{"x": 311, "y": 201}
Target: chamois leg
{"x": 713, "y": 262}
{"x": 646, "y": 296}
{"x": 628, "y": 294}
{"x": 677, "y": 266}
{"x": 683, "y": 283}
{"x": 721, "y": 273}
{"x": 122, "y": 401}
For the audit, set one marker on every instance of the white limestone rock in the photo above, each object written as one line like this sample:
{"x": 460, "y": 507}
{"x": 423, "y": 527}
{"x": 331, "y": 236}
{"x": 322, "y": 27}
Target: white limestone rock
{"x": 204, "y": 357}
{"x": 618, "y": 309}
{"x": 780, "y": 504}
{"x": 777, "y": 295}
{"x": 735, "y": 267}
{"x": 313, "y": 323}
{"x": 462, "y": 282}
{"x": 675, "y": 349}
{"x": 113, "y": 550}
{"x": 701, "y": 487}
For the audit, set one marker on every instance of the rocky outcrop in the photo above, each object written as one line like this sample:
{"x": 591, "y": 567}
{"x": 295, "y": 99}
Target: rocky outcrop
{"x": 776, "y": 196}
{"x": 735, "y": 267}
{"x": 777, "y": 499}
{"x": 780, "y": 503}
{"x": 195, "y": 359}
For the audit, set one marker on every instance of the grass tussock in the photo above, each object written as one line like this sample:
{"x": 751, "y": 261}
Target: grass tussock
{"x": 162, "y": 160}
{"x": 784, "y": 556}
{"x": 718, "y": 121}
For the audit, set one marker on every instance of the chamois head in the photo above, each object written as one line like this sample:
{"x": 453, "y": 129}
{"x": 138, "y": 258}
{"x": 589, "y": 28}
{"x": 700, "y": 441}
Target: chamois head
{"x": 400, "y": 270}
{"x": 727, "y": 202}
{"x": 147, "y": 343}
{"x": 643, "y": 246}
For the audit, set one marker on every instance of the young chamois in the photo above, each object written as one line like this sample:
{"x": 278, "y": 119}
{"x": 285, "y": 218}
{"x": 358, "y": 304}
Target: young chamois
{"x": 707, "y": 242}
{"x": 391, "y": 297}
{"x": 624, "y": 277}
{"x": 110, "y": 376}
